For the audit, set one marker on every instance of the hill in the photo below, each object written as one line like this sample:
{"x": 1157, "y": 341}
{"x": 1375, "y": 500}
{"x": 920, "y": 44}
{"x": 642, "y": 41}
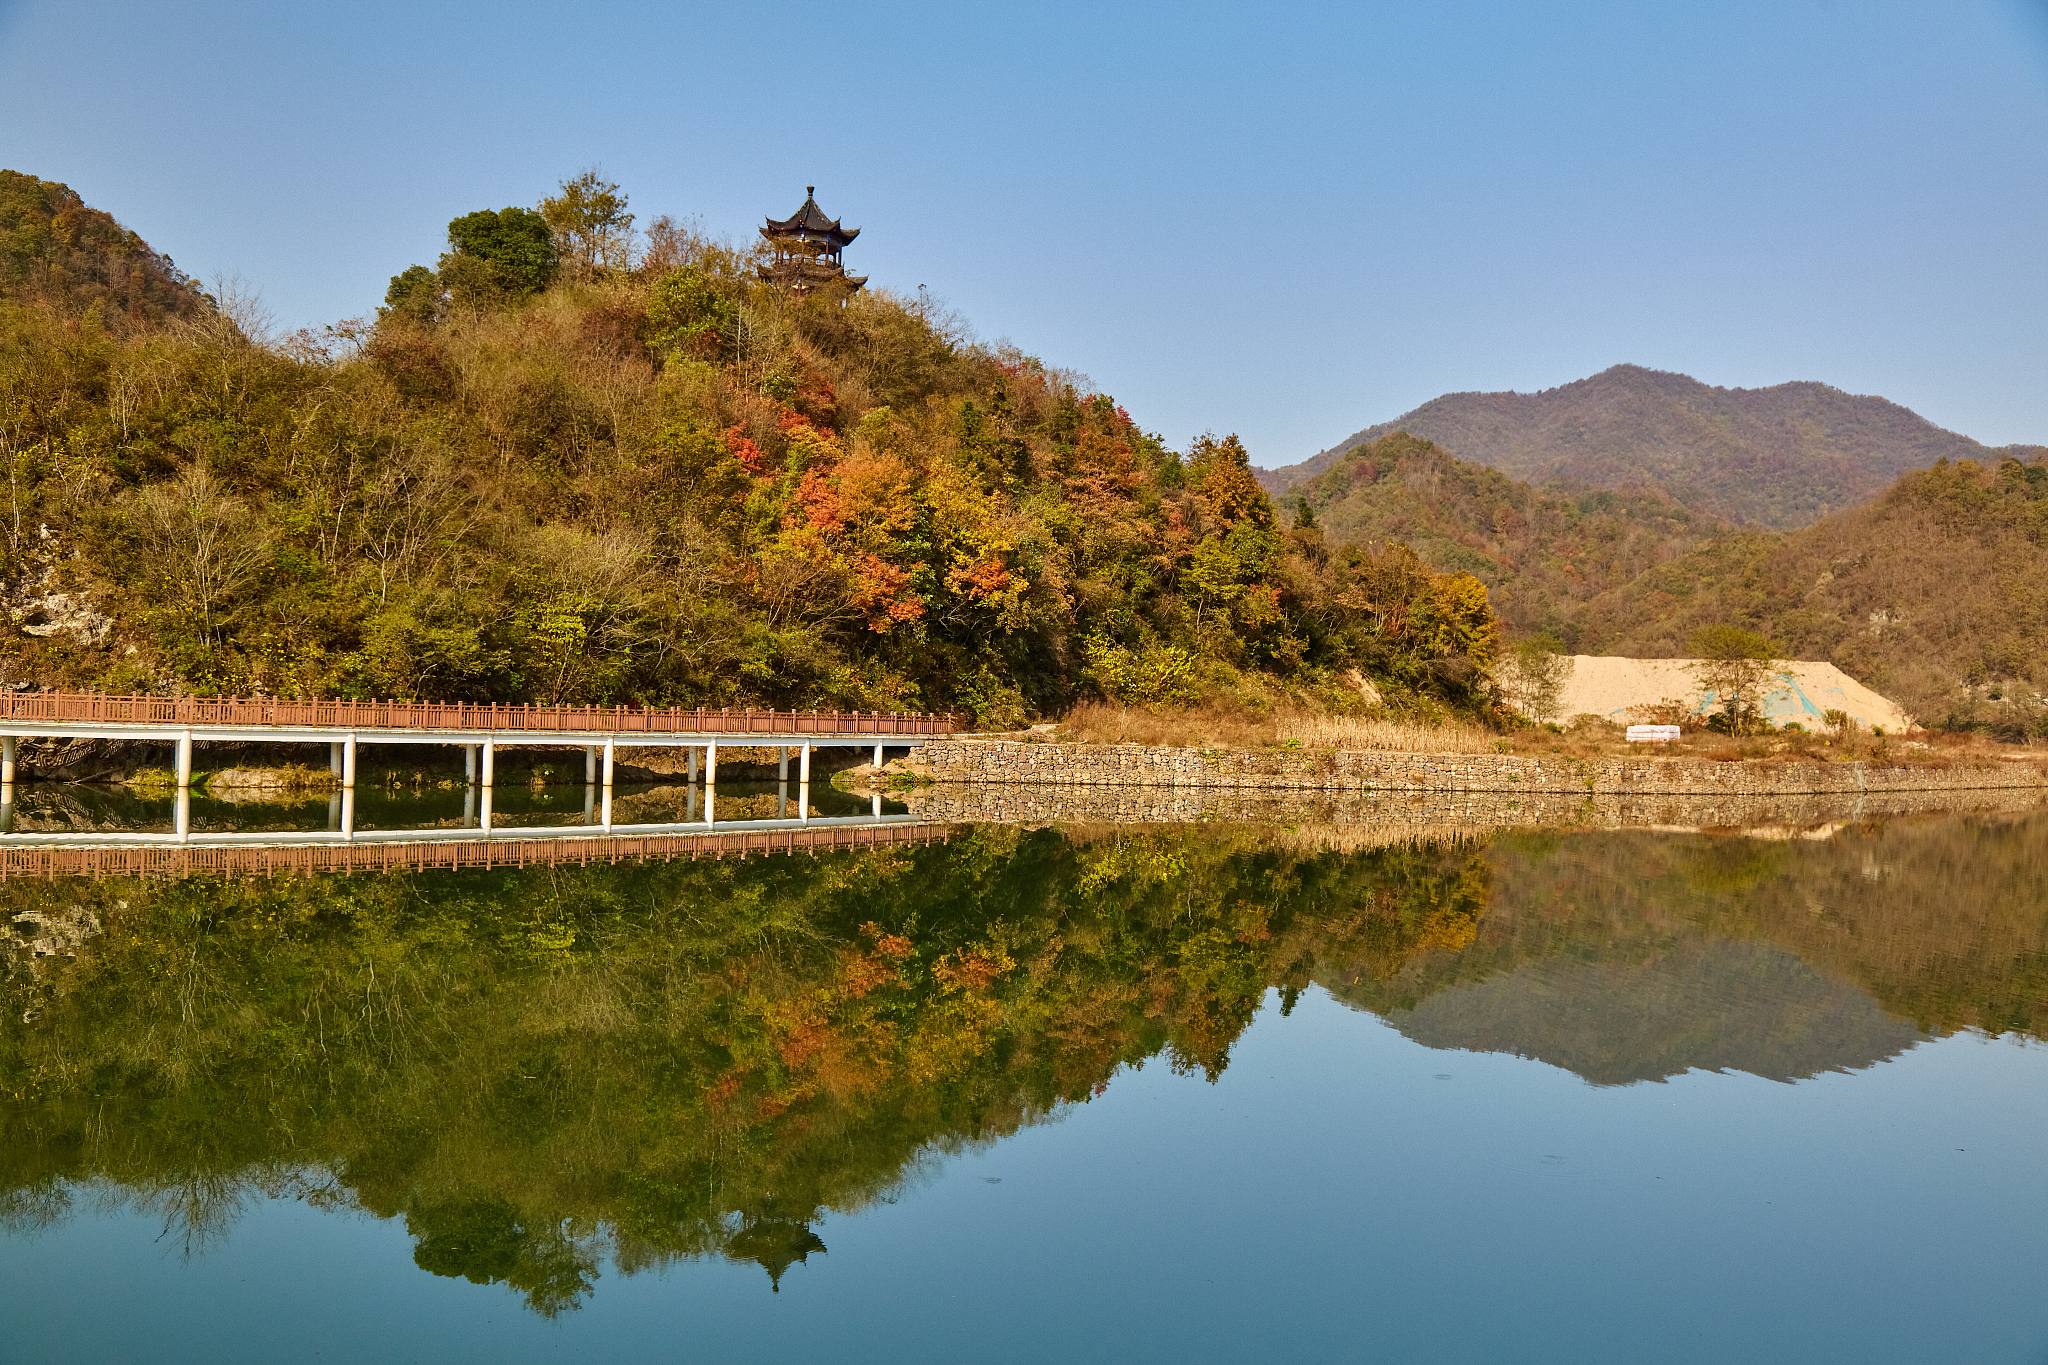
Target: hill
{"x": 1541, "y": 555}
{"x": 58, "y": 253}
{"x": 1935, "y": 594}
{"x": 1779, "y": 457}
{"x": 560, "y": 469}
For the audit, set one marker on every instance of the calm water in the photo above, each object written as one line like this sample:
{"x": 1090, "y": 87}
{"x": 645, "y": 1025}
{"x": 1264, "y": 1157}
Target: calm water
{"x": 1207, "y": 1093}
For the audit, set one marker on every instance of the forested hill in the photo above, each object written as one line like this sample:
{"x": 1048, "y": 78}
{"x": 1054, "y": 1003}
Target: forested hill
{"x": 1541, "y": 555}
{"x": 72, "y": 259}
{"x": 1935, "y": 594}
{"x": 1778, "y": 457}
{"x": 572, "y": 462}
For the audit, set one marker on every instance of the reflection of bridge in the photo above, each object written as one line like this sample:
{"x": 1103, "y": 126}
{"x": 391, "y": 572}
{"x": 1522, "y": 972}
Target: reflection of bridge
{"x": 480, "y": 730}
{"x": 170, "y": 855}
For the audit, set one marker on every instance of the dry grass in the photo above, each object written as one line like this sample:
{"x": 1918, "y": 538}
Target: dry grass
{"x": 1203, "y": 728}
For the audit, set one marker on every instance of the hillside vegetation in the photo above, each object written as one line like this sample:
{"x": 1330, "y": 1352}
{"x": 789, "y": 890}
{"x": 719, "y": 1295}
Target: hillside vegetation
{"x": 1936, "y": 595}
{"x": 572, "y": 463}
{"x": 1779, "y": 457}
{"x": 74, "y": 260}
{"x": 1542, "y": 556}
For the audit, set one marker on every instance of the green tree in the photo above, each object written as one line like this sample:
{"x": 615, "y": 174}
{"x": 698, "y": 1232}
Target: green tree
{"x": 515, "y": 242}
{"x": 416, "y": 294}
{"x": 1534, "y": 673}
{"x": 1736, "y": 669}
{"x": 590, "y": 224}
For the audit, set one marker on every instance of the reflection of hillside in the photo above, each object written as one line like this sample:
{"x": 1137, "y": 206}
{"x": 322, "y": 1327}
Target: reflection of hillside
{"x": 1708, "y": 1004}
{"x": 1634, "y": 955}
{"x": 542, "y": 1069}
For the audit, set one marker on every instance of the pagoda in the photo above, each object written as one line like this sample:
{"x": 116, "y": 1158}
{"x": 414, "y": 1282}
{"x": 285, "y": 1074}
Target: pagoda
{"x": 807, "y": 246}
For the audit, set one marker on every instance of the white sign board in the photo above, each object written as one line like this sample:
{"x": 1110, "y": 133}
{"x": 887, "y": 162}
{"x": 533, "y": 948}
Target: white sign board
{"x": 1652, "y": 734}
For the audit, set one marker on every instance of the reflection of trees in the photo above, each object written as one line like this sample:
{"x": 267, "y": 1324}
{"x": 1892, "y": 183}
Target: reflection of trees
{"x": 541, "y": 1070}
{"x": 1942, "y": 921}
{"x": 538, "y": 1070}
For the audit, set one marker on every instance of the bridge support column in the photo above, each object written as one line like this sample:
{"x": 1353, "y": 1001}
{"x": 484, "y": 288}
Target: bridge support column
{"x": 348, "y": 765}
{"x": 7, "y": 752}
{"x": 782, "y": 763}
{"x": 878, "y": 758}
{"x": 489, "y": 765}
{"x": 334, "y": 758}
{"x": 803, "y": 769}
{"x": 469, "y": 764}
{"x": 590, "y": 763}
{"x": 184, "y": 759}
{"x": 710, "y": 765}
{"x": 610, "y": 764}
{"x": 693, "y": 764}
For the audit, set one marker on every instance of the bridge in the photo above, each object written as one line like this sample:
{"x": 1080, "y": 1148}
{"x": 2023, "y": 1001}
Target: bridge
{"x": 159, "y": 856}
{"x": 480, "y": 731}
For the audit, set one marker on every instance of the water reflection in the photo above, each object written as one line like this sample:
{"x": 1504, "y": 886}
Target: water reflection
{"x": 544, "y": 1070}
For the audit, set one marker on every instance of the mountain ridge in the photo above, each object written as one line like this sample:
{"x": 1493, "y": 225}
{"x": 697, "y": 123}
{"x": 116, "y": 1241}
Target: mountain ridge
{"x": 1779, "y": 457}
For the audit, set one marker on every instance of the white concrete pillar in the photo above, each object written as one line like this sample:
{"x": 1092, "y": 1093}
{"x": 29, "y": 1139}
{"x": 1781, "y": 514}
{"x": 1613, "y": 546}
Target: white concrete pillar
{"x": 589, "y": 800}
{"x": 782, "y": 763}
{"x": 590, "y": 761}
{"x": 348, "y": 764}
{"x": 605, "y": 814}
{"x": 483, "y": 817}
{"x": 7, "y": 752}
{"x": 803, "y": 770}
{"x": 610, "y": 765}
{"x": 334, "y": 757}
{"x": 878, "y": 758}
{"x": 693, "y": 764}
{"x": 710, "y": 770}
{"x": 489, "y": 765}
{"x": 468, "y": 806}
{"x": 469, "y": 764}
{"x": 803, "y": 802}
{"x": 184, "y": 759}
{"x": 710, "y": 802}
{"x": 782, "y": 799}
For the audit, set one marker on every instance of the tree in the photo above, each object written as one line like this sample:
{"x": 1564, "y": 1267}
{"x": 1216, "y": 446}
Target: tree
{"x": 515, "y": 242}
{"x": 1158, "y": 675}
{"x": 689, "y": 314}
{"x": 1736, "y": 669}
{"x": 591, "y": 226}
{"x": 416, "y": 294}
{"x": 1534, "y": 673}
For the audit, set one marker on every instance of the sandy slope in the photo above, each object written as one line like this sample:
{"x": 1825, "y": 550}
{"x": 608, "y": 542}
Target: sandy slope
{"x": 1606, "y": 686}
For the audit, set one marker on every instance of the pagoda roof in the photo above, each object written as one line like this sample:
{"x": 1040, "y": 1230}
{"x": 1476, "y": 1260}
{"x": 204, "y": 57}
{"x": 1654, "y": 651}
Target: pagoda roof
{"x": 810, "y": 223}
{"x": 804, "y": 276}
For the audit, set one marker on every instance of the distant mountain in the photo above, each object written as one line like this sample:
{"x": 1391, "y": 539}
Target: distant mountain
{"x": 1542, "y": 556}
{"x": 1701, "y": 1004}
{"x": 62, "y": 255}
{"x": 1933, "y": 594}
{"x": 1780, "y": 457}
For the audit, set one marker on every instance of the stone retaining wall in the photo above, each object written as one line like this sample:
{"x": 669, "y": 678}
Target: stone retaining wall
{"x": 1433, "y": 813}
{"x": 1133, "y": 765}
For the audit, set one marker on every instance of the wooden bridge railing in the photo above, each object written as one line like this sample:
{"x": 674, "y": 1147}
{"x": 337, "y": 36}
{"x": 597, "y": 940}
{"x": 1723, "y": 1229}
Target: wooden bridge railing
{"x": 76, "y": 708}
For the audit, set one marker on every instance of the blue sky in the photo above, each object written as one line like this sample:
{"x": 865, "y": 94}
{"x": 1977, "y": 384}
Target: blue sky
{"x": 1286, "y": 220}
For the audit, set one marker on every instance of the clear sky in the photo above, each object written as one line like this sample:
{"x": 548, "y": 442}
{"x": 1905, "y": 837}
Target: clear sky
{"x": 1288, "y": 220}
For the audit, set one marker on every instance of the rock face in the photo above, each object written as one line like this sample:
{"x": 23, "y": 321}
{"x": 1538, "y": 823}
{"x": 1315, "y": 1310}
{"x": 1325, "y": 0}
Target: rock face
{"x": 949, "y": 761}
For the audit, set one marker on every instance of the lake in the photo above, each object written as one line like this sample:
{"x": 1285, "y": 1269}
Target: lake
{"x": 1176, "y": 1092}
